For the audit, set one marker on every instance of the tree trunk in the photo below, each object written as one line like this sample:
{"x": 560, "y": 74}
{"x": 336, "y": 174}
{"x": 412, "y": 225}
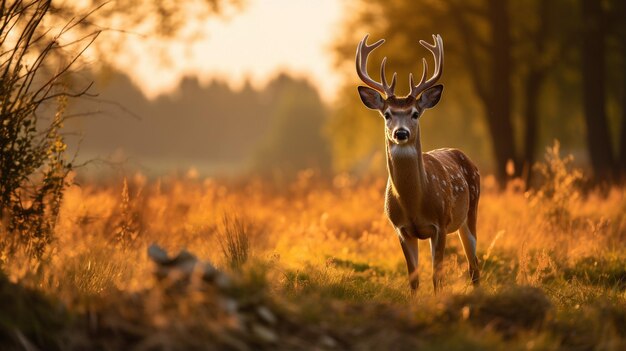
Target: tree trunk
{"x": 499, "y": 104}
{"x": 492, "y": 82}
{"x": 594, "y": 94}
{"x": 532, "y": 89}
{"x": 538, "y": 70}
{"x": 622, "y": 147}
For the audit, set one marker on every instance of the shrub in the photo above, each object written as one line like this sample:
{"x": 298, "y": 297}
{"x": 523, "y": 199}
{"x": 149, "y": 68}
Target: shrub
{"x": 34, "y": 68}
{"x": 559, "y": 188}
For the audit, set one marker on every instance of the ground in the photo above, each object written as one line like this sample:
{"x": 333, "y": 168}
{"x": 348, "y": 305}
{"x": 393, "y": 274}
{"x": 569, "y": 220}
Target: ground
{"x": 314, "y": 264}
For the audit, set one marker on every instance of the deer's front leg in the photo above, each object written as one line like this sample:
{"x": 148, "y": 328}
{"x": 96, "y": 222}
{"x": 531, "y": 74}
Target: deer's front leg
{"x": 410, "y": 250}
{"x": 437, "y": 247}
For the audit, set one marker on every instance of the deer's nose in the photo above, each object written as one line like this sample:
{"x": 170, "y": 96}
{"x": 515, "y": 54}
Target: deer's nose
{"x": 401, "y": 134}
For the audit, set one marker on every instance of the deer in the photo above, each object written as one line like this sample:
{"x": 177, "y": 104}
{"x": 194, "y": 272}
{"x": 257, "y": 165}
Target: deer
{"x": 428, "y": 194}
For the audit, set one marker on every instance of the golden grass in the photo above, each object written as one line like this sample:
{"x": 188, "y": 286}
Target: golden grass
{"x": 308, "y": 222}
{"x": 322, "y": 251}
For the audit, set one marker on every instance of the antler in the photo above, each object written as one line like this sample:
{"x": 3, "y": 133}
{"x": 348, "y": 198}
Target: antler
{"x": 362, "y": 51}
{"x": 437, "y": 51}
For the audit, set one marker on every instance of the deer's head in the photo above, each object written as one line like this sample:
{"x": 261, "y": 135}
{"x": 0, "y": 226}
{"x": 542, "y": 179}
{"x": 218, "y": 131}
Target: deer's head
{"x": 401, "y": 113}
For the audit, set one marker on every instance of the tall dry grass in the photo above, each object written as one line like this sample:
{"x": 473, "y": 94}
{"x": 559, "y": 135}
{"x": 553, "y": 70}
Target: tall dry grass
{"x": 313, "y": 242}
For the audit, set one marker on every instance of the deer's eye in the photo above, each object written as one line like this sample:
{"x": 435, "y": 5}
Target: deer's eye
{"x": 387, "y": 115}
{"x": 415, "y": 115}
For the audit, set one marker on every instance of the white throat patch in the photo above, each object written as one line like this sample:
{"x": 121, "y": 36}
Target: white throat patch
{"x": 403, "y": 151}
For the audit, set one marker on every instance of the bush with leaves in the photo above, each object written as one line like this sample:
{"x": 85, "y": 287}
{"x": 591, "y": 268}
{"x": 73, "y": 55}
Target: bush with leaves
{"x": 37, "y": 50}
{"x": 561, "y": 183}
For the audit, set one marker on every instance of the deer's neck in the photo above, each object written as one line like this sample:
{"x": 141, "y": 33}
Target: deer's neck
{"x": 406, "y": 173}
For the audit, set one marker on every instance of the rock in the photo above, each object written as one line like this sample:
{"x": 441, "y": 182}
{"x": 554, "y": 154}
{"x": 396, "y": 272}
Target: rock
{"x": 266, "y": 315}
{"x": 177, "y": 269}
{"x": 230, "y": 305}
{"x": 157, "y": 254}
{"x": 264, "y": 333}
{"x": 328, "y": 342}
{"x": 184, "y": 258}
{"x": 180, "y": 271}
{"x": 222, "y": 281}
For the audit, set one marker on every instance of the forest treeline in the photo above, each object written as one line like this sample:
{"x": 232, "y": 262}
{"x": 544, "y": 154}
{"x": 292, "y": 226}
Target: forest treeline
{"x": 212, "y": 128}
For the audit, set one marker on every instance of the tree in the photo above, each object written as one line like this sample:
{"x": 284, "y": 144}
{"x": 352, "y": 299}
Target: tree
{"x": 540, "y": 48}
{"x": 295, "y": 139}
{"x": 493, "y": 88}
{"x": 622, "y": 35}
{"x": 593, "y": 69}
{"x": 617, "y": 25}
{"x": 533, "y": 82}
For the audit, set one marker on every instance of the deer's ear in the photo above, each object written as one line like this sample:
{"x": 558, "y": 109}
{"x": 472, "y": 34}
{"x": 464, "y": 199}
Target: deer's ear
{"x": 430, "y": 97}
{"x": 371, "y": 98}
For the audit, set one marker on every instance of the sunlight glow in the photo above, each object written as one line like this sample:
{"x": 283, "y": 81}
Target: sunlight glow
{"x": 266, "y": 38}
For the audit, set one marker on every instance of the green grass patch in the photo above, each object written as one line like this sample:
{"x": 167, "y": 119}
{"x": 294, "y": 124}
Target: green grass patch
{"x": 608, "y": 271}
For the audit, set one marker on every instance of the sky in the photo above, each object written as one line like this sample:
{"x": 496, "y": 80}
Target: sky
{"x": 266, "y": 37}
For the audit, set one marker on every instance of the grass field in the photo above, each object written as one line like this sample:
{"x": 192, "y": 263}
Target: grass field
{"x": 314, "y": 264}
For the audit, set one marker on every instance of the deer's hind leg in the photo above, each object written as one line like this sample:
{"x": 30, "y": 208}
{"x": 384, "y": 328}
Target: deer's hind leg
{"x": 469, "y": 241}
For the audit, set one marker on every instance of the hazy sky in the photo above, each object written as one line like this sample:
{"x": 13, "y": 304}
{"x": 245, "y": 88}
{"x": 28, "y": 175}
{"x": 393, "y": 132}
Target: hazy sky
{"x": 266, "y": 37}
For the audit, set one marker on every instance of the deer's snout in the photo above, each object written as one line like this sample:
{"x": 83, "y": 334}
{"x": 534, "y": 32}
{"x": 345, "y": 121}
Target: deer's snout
{"x": 401, "y": 134}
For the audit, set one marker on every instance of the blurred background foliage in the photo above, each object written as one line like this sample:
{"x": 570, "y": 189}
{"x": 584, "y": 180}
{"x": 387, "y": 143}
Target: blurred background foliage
{"x": 518, "y": 74}
{"x": 162, "y": 22}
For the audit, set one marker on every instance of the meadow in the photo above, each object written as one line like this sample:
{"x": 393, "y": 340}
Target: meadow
{"x": 313, "y": 263}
